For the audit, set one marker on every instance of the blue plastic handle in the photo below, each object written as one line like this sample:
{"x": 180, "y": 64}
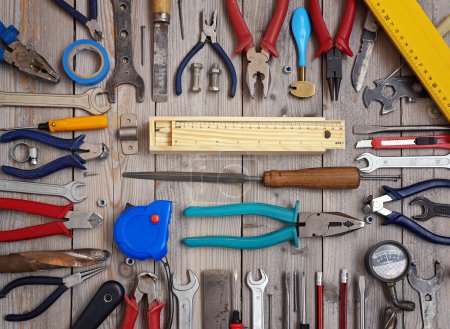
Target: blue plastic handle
{"x": 301, "y": 29}
{"x": 183, "y": 64}
{"x": 8, "y": 34}
{"x": 68, "y": 161}
{"x": 253, "y": 242}
{"x": 72, "y": 11}
{"x": 230, "y": 67}
{"x": 60, "y": 143}
{"x": 396, "y": 218}
{"x": 93, "y": 10}
{"x": 284, "y": 215}
{"x": 404, "y": 192}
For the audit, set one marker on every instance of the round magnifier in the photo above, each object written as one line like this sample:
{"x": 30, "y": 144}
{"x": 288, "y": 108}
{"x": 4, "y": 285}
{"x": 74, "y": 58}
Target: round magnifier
{"x": 388, "y": 261}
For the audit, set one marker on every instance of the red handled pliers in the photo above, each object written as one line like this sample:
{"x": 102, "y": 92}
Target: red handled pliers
{"x": 258, "y": 62}
{"x": 334, "y": 50}
{"x": 72, "y": 219}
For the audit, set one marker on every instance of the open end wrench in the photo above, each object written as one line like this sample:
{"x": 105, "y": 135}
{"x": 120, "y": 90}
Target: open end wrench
{"x": 375, "y": 162}
{"x": 427, "y": 291}
{"x": 430, "y": 209}
{"x": 185, "y": 295}
{"x": 86, "y": 101}
{"x": 257, "y": 288}
{"x": 67, "y": 191}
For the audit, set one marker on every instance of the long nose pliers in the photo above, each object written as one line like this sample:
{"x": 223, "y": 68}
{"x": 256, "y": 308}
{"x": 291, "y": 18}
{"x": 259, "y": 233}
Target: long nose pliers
{"x": 376, "y": 205}
{"x": 300, "y": 225}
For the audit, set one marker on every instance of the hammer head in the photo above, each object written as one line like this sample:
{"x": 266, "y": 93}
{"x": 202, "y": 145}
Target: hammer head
{"x": 302, "y": 89}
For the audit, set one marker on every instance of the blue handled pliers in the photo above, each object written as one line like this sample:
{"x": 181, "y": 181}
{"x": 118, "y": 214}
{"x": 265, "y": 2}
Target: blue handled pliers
{"x": 91, "y": 151}
{"x": 90, "y": 22}
{"x": 301, "y": 225}
{"x": 26, "y": 60}
{"x": 376, "y": 205}
{"x": 208, "y": 34}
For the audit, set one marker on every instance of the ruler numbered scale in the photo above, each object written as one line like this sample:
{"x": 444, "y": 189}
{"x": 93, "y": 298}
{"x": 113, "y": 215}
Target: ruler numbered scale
{"x": 245, "y": 135}
{"x": 420, "y": 44}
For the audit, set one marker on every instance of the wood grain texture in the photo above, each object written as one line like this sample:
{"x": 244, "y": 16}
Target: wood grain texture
{"x": 50, "y": 30}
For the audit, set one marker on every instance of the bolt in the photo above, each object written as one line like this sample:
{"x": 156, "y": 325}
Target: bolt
{"x": 196, "y": 69}
{"x": 214, "y": 78}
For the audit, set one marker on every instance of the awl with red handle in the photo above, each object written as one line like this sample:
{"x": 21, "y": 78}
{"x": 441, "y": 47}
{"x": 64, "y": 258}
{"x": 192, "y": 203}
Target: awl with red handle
{"x": 407, "y": 142}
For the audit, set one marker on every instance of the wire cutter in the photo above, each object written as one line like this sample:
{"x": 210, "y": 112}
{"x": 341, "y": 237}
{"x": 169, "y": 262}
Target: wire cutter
{"x": 333, "y": 50}
{"x": 301, "y": 225}
{"x": 90, "y": 22}
{"x": 26, "y": 60}
{"x": 145, "y": 285}
{"x": 376, "y": 205}
{"x": 92, "y": 151}
{"x": 71, "y": 220}
{"x": 63, "y": 285}
{"x": 258, "y": 62}
{"x": 208, "y": 35}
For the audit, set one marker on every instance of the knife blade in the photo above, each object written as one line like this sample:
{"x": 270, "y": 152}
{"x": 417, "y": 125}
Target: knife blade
{"x": 363, "y": 57}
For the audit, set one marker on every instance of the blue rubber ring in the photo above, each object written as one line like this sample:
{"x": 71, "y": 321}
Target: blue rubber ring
{"x": 90, "y": 45}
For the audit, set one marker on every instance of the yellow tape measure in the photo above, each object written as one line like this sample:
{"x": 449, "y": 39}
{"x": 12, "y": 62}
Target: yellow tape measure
{"x": 420, "y": 44}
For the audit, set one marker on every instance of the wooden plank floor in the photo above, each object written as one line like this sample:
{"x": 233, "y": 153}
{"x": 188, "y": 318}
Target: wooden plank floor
{"x": 44, "y": 26}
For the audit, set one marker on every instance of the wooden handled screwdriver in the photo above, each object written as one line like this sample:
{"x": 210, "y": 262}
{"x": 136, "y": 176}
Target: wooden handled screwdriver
{"x": 327, "y": 178}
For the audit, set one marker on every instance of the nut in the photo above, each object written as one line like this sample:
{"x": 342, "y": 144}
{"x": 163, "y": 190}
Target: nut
{"x": 102, "y": 203}
{"x": 287, "y": 69}
{"x": 214, "y": 78}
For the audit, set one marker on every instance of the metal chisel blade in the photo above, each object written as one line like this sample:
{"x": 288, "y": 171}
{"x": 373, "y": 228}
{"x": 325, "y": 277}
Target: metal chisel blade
{"x": 174, "y": 176}
{"x": 160, "y": 61}
{"x": 364, "y": 144}
{"x": 362, "y": 60}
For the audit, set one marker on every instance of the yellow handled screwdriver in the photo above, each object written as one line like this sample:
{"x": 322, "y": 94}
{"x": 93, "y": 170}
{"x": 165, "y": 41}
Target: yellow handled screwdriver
{"x": 69, "y": 124}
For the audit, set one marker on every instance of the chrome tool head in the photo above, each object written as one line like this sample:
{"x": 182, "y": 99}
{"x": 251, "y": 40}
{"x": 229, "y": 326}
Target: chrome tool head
{"x": 427, "y": 205}
{"x": 191, "y": 287}
{"x": 96, "y": 108}
{"x": 72, "y": 194}
{"x": 327, "y": 224}
{"x": 258, "y": 65}
{"x": 261, "y": 283}
{"x": 371, "y": 162}
{"x": 209, "y": 31}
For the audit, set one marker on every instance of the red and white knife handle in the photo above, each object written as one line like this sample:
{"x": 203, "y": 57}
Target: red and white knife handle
{"x": 34, "y": 232}
{"x": 131, "y": 313}
{"x": 442, "y": 142}
{"x": 154, "y": 315}
{"x": 36, "y": 208}
{"x": 245, "y": 39}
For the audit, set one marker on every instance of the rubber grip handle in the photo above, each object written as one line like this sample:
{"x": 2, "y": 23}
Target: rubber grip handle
{"x": 131, "y": 313}
{"x": 404, "y": 192}
{"x": 40, "y": 309}
{"x": 154, "y": 315}
{"x": 236, "y": 326}
{"x": 421, "y": 142}
{"x": 253, "y": 242}
{"x": 345, "y": 30}
{"x": 396, "y": 218}
{"x": 30, "y": 280}
{"x": 8, "y": 34}
{"x": 269, "y": 40}
{"x": 68, "y": 161}
{"x": 93, "y": 10}
{"x": 325, "y": 41}
{"x": 314, "y": 178}
{"x": 78, "y": 123}
{"x": 284, "y": 215}
{"x": 319, "y": 307}
{"x": 301, "y": 29}
{"x": 60, "y": 143}
{"x": 36, "y": 208}
{"x": 230, "y": 67}
{"x": 34, "y": 232}
{"x": 183, "y": 64}
{"x": 245, "y": 39}
{"x": 72, "y": 11}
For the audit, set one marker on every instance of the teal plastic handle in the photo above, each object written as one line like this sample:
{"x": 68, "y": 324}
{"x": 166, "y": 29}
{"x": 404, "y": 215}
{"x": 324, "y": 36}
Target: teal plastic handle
{"x": 301, "y": 29}
{"x": 285, "y": 215}
{"x": 252, "y": 242}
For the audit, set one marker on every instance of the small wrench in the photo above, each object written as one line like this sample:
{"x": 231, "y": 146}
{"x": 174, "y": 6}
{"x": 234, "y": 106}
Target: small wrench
{"x": 430, "y": 209}
{"x": 257, "y": 288}
{"x": 67, "y": 191}
{"x": 86, "y": 101}
{"x": 427, "y": 291}
{"x": 375, "y": 162}
{"x": 185, "y": 295}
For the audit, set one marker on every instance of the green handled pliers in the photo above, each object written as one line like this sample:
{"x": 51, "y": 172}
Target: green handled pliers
{"x": 301, "y": 225}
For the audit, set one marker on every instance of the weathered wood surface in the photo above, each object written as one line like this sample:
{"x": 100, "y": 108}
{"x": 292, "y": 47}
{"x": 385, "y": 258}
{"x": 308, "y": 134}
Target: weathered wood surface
{"x": 44, "y": 26}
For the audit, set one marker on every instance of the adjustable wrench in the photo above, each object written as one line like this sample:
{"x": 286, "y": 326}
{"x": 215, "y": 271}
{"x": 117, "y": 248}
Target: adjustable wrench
{"x": 375, "y": 162}
{"x": 86, "y": 101}
{"x": 257, "y": 288}
{"x": 427, "y": 291}
{"x": 67, "y": 191}
{"x": 185, "y": 295}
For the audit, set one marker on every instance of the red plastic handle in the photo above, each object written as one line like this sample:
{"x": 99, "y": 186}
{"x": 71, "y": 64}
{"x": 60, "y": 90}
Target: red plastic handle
{"x": 326, "y": 43}
{"x": 443, "y": 142}
{"x": 236, "y": 326}
{"x": 343, "y": 307}
{"x": 33, "y": 232}
{"x": 346, "y": 28}
{"x": 131, "y": 313}
{"x": 319, "y": 307}
{"x": 245, "y": 39}
{"x": 37, "y": 208}
{"x": 154, "y": 315}
{"x": 269, "y": 41}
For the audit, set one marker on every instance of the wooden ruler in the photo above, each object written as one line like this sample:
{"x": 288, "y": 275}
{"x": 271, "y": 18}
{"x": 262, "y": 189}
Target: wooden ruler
{"x": 245, "y": 135}
{"x": 420, "y": 44}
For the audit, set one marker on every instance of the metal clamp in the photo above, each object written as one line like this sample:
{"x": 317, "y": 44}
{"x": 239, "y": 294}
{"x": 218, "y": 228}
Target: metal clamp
{"x": 32, "y": 154}
{"x": 128, "y": 134}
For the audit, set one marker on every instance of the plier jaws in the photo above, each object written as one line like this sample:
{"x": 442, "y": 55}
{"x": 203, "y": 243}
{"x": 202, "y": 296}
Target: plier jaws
{"x": 95, "y": 30}
{"x": 94, "y": 151}
{"x": 209, "y": 31}
{"x": 258, "y": 66}
{"x": 327, "y": 224}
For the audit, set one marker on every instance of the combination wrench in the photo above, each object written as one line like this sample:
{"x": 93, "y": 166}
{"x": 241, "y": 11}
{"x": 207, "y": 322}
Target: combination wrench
{"x": 374, "y": 162}
{"x": 430, "y": 209}
{"x": 257, "y": 288}
{"x": 185, "y": 295}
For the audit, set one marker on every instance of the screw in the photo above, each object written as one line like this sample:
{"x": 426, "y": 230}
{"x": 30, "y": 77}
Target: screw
{"x": 214, "y": 78}
{"x": 90, "y": 174}
{"x": 196, "y": 69}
